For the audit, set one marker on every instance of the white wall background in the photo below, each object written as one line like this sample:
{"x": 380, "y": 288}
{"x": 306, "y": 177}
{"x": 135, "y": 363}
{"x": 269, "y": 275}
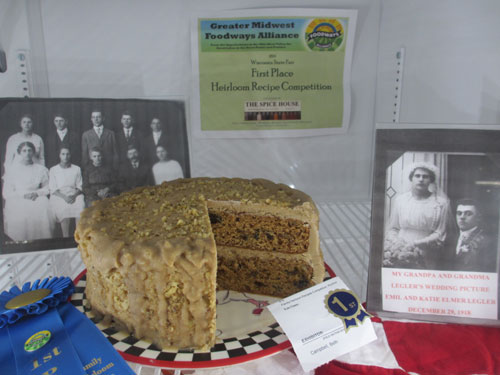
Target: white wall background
{"x": 14, "y": 35}
{"x": 451, "y": 73}
{"x": 133, "y": 48}
{"x": 140, "y": 49}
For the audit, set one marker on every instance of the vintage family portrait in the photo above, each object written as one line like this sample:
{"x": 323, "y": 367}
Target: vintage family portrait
{"x": 59, "y": 155}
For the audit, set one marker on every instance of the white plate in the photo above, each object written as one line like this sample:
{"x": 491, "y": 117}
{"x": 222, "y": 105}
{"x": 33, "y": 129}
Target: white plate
{"x": 246, "y": 331}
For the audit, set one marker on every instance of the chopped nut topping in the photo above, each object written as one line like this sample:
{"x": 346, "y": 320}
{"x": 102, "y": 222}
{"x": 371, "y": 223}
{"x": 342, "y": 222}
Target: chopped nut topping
{"x": 178, "y": 208}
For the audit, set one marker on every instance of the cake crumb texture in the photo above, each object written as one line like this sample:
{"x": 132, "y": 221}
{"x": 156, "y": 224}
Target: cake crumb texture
{"x": 252, "y": 272}
{"x": 269, "y": 233}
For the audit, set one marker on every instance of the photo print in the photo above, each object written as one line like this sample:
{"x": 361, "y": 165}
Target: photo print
{"x": 57, "y": 156}
{"x": 435, "y": 225}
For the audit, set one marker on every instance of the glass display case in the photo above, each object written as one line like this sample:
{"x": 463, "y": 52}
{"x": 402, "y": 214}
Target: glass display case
{"x": 421, "y": 65}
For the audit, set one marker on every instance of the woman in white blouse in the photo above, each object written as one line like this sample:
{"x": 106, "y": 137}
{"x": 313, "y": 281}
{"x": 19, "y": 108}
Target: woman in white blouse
{"x": 25, "y": 190}
{"x": 66, "y": 197}
{"x": 166, "y": 169}
{"x": 25, "y": 135}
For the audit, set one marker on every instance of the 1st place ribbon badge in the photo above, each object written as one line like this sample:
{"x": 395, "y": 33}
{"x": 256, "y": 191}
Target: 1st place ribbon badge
{"x": 345, "y": 305}
{"x": 42, "y": 333}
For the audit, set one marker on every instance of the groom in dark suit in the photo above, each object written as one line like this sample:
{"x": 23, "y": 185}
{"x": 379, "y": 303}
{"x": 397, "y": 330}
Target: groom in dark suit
{"x": 475, "y": 249}
{"x": 134, "y": 172}
{"x": 157, "y": 137}
{"x": 126, "y": 136}
{"x": 63, "y": 136}
{"x": 102, "y": 138}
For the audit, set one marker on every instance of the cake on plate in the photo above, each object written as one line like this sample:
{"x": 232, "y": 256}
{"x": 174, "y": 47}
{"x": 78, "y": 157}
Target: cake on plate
{"x": 155, "y": 255}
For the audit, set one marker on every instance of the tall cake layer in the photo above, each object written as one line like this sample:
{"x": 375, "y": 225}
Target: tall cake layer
{"x": 152, "y": 260}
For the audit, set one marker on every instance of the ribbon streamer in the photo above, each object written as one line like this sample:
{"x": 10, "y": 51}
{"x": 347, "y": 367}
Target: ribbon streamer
{"x": 58, "y": 356}
{"x": 42, "y": 334}
{"x": 95, "y": 351}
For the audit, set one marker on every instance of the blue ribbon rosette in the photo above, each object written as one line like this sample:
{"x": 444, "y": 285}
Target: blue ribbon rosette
{"x": 42, "y": 334}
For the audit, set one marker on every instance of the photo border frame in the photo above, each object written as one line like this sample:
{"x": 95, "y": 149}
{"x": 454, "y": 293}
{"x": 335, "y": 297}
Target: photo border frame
{"x": 392, "y": 141}
{"x": 34, "y": 106}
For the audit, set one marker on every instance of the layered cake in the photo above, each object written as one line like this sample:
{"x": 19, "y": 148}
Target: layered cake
{"x": 156, "y": 255}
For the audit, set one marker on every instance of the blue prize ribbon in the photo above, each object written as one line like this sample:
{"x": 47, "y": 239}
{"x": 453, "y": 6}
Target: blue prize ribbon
{"x": 95, "y": 351}
{"x": 348, "y": 323}
{"x": 56, "y": 357}
{"x": 345, "y": 305}
{"x": 42, "y": 334}
{"x": 362, "y": 315}
{"x": 7, "y": 361}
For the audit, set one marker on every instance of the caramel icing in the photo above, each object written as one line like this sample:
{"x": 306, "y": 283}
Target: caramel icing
{"x": 151, "y": 257}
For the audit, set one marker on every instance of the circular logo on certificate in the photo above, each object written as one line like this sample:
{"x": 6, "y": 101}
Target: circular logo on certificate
{"x": 324, "y": 34}
{"x": 36, "y": 341}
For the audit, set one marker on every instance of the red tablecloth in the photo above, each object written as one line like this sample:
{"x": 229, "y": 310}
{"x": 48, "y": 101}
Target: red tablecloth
{"x": 424, "y": 349}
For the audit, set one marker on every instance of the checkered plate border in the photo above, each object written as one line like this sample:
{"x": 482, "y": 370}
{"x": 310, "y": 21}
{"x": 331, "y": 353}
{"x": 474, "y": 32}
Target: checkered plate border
{"x": 225, "y": 352}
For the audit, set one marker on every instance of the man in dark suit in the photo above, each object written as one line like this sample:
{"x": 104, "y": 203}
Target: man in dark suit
{"x": 99, "y": 180}
{"x": 475, "y": 249}
{"x": 63, "y": 136}
{"x": 126, "y": 136}
{"x": 134, "y": 172}
{"x": 157, "y": 137}
{"x": 102, "y": 138}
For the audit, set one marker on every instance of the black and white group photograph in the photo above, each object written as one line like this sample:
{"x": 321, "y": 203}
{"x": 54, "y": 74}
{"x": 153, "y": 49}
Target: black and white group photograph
{"x": 437, "y": 200}
{"x": 60, "y": 155}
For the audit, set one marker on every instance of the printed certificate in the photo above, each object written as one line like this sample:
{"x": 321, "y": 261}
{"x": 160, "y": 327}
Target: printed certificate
{"x": 273, "y": 72}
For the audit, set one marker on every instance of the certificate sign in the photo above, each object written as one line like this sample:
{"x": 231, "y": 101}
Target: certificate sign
{"x": 323, "y": 322}
{"x": 273, "y": 72}
{"x": 445, "y": 293}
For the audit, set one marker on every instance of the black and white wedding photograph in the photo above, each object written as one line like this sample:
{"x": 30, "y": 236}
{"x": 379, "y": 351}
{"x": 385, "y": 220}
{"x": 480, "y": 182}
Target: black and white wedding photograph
{"x": 440, "y": 212}
{"x": 435, "y": 224}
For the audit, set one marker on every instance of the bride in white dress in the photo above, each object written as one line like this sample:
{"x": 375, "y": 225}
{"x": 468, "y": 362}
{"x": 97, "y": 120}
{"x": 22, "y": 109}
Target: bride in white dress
{"x": 417, "y": 227}
{"x": 26, "y": 187}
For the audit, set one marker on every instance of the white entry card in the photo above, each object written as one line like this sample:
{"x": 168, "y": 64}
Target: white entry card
{"x": 323, "y": 322}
